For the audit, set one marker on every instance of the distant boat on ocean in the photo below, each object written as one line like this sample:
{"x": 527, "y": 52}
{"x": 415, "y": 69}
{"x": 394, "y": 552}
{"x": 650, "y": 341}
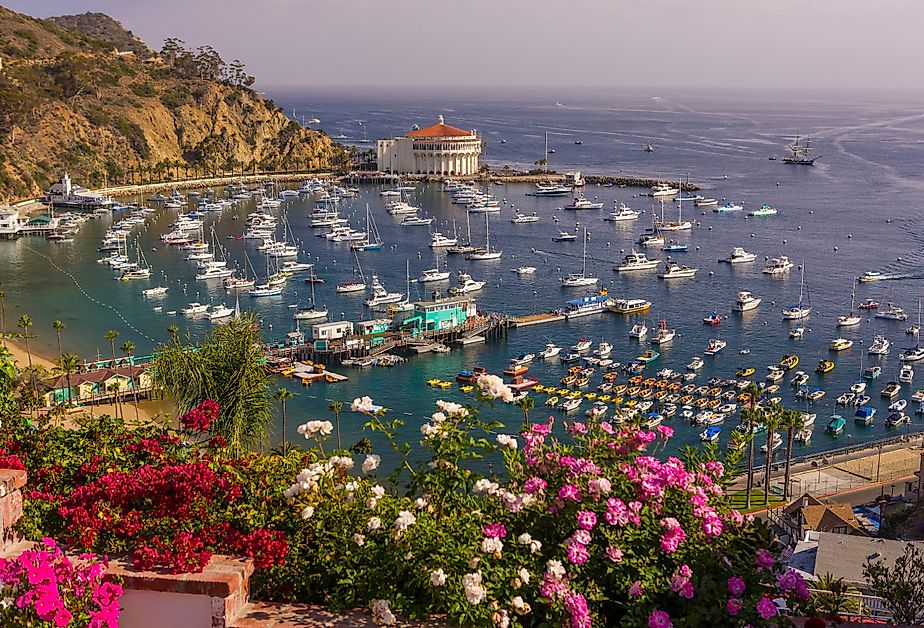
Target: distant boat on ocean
{"x": 800, "y": 153}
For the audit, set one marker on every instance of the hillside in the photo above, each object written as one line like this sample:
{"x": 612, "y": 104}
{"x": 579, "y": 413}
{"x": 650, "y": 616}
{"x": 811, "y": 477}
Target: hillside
{"x": 68, "y": 102}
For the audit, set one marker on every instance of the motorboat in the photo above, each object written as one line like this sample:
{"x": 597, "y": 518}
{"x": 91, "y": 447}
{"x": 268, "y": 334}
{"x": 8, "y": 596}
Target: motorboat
{"x": 858, "y": 387}
{"x": 879, "y": 346}
{"x": 630, "y": 306}
{"x": 906, "y": 374}
{"x": 912, "y": 354}
{"x": 710, "y": 434}
{"x": 835, "y": 425}
{"x": 712, "y": 319}
{"x": 194, "y": 309}
{"x": 155, "y": 292}
{"x": 845, "y": 399}
{"x": 765, "y": 210}
{"x": 776, "y": 441}
{"x": 622, "y": 213}
{"x": 864, "y": 415}
{"x": 841, "y": 344}
{"x": 551, "y": 350}
{"x": 870, "y": 276}
{"x": 603, "y": 350}
{"x": 788, "y": 362}
{"x": 869, "y": 304}
{"x": 525, "y": 270}
{"x": 266, "y": 290}
{"x": 803, "y": 436}
{"x": 651, "y": 239}
{"x": 745, "y": 301}
{"x": 695, "y": 364}
{"x": 797, "y": 332}
{"x": 872, "y": 372}
{"x": 728, "y": 207}
{"x": 564, "y": 236}
{"x": 896, "y": 419}
{"x": 635, "y": 261}
{"x": 639, "y": 330}
{"x": 898, "y": 406}
{"x": 891, "y": 390}
{"x": 778, "y": 266}
{"x": 380, "y": 295}
{"x": 522, "y": 219}
{"x": 661, "y": 190}
{"x": 663, "y": 335}
{"x": 715, "y": 347}
{"x": 219, "y": 312}
{"x": 438, "y": 240}
{"x": 824, "y": 366}
{"x": 892, "y": 312}
{"x": 413, "y": 220}
{"x": 351, "y": 286}
{"x": 706, "y": 202}
{"x": 433, "y": 274}
{"x": 466, "y": 284}
{"x": 648, "y": 356}
{"x": 676, "y": 271}
{"x": 580, "y": 202}
{"x": 522, "y": 359}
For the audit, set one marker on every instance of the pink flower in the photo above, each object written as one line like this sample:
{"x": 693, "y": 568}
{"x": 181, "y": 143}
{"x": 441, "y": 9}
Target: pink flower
{"x": 789, "y": 580}
{"x": 659, "y": 619}
{"x": 495, "y": 531}
{"x": 764, "y": 559}
{"x": 766, "y": 608}
{"x": 586, "y": 519}
{"x": 534, "y": 485}
{"x": 735, "y": 585}
{"x": 712, "y": 525}
{"x": 576, "y": 605}
{"x": 616, "y": 512}
{"x": 666, "y": 431}
{"x": 606, "y": 426}
{"x": 636, "y": 589}
{"x": 599, "y": 486}
{"x": 673, "y": 537}
{"x": 569, "y": 492}
{"x": 614, "y": 554}
{"x": 581, "y": 536}
{"x": 577, "y": 428}
{"x": 734, "y": 606}
{"x": 577, "y": 554}
{"x": 735, "y": 517}
{"x": 541, "y": 429}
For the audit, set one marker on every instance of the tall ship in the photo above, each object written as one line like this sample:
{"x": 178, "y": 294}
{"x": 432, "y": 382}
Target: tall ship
{"x": 68, "y": 194}
{"x": 800, "y": 153}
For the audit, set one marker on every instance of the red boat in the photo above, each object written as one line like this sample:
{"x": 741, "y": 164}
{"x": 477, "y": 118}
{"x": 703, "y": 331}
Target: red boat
{"x": 713, "y": 319}
{"x": 869, "y": 304}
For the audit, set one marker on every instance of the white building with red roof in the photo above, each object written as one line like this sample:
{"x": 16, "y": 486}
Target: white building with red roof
{"x": 439, "y": 150}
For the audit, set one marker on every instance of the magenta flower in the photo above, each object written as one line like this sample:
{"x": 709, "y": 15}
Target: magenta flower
{"x": 736, "y": 585}
{"x": 614, "y": 554}
{"x": 666, "y": 431}
{"x": 576, "y": 605}
{"x": 636, "y": 589}
{"x": 734, "y": 606}
{"x": 616, "y": 512}
{"x": 495, "y": 531}
{"x": 577, "y": 428}
{"x": 659, "y": 619}
{"x": 577, "y": 554}
{"x": 712, "y": 525}
{"x": 534, "y": 485}
{"x": 569, "y": 492}
{"x": 581, "y": 536}
{"x": 764, "y": 559}
{"x": 766, "y": 608}
{"x": 673, "y": 536}
{"x": 586, "y": 519}
{"x": 789, "y": 580}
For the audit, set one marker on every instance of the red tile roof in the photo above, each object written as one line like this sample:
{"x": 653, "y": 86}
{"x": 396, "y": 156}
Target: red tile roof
{"x": 439, "y": 130}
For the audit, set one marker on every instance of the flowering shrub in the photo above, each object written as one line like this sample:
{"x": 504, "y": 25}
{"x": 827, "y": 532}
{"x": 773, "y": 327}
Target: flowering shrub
{"x": 44, "y": 585}
{"x": 200, "y": 418}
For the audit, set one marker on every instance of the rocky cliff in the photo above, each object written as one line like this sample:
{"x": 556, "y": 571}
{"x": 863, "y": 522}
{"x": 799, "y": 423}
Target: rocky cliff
{"x": 74, "y": 100}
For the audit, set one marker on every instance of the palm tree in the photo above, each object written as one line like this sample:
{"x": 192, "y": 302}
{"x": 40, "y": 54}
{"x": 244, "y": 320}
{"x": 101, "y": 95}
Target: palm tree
{"x": 128, "y": 347}
{"x": 113, "y": 388}
{"x": 833, "y": 596}
{"x": 67, "y": 365}
{"x": 792, "y": 421}
{"x": 227, "y": 367}
{"x": 25, "y": 323}
{"x": 173, "y": 330}
{"x": 3, "y": 317}
{"x": 336, "y": 407}
{"x": 772, "y": 419}
{"x": 111, "y": 336}
{"x": 526, "y": 404}
{"x": 752, "y": 392}
{"x": 59, "y": 325}
{"x": 282, "y": 395}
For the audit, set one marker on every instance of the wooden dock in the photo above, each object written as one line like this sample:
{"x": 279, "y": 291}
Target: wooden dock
{"x": 537, "y": 319}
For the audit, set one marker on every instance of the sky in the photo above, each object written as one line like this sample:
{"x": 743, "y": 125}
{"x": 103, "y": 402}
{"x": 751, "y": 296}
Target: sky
{"x": 726, "y": 44}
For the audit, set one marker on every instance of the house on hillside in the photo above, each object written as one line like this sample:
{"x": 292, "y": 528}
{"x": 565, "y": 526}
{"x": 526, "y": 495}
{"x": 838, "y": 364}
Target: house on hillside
{"x": 809, "y": 514}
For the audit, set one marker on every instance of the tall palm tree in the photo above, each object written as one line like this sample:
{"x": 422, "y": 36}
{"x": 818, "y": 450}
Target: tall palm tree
{"x": 753, "y": 393}
{"x": 792, "y": 421}
{"x": 526, "y": 404}
{"x": 25, "y": 323}
{"x": 113, "y": 388}
{"x": 336, "y": 407}
{"x": 67, "y": 365}
{"x": 128, "y": 347}
{"x": 773, "y": 420}
{"x": 173, "y": 330}
{"x": 111, "y": 336}
{"x": 3, "y": 317}
{"x": 282, "y": 395}
{"x": 59, "y": 325}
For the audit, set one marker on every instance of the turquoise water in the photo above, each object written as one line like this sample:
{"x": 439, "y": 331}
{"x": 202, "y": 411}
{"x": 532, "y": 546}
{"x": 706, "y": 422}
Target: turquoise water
{"x": 855, "y": 210}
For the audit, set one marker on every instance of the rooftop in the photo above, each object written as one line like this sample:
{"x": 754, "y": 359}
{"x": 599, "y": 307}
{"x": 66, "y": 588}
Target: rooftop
{"x": 844, "y": 555}
{"x": 440, "y": 129}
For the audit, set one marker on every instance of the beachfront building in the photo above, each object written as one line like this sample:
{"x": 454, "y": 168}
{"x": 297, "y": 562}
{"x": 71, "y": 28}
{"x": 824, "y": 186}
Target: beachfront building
{"x": 11, "y": 222}
{"x": 97, "y": 386}
{"x": 66, "y": 193}
{"x": 440, "y": 315}
{"x": 438, "y": 149}
{"x": 334, "y": 330}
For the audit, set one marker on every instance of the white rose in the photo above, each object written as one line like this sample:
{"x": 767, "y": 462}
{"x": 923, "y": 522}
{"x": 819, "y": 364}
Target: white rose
{"x": 307, "y": 512}
{"x": 359, "y": 539}
{"x": 373, "y": 524}
{"x": 438, "y": 577}
{"x": 371, "y": 463}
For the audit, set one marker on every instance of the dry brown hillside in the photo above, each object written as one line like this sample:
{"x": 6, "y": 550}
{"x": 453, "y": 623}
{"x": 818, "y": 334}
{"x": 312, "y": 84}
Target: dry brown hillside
{"x": 69, "y": 102}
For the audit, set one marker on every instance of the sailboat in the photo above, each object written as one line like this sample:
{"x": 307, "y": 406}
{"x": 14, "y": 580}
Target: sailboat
{"x": 242, "y": 283}
{"x": 372, "y": 241}
{"x": 916, "y": 352}
{"x": 800, "y": 153}
{"x": 434, "y": 274}
{"x": 799, "y": 310}
{"x": 351, "y": 285}
{"x": 405, "y": 304}
{"x": 467, "y": 247}
{"x": 141, "y": 270}
{"x": 853, "y": 318}
{"x": 681, "y": 224}
{"x": 575, "y": 280}
{"x": 273, "y": 285}
{"x": 313, "y": 313}
{"x": 486, "y": 253}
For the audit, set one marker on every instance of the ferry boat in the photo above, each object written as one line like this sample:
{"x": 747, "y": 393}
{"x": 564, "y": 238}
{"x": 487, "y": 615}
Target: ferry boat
{"x": 630, "y": 306}
{"x": 676, "y": 271}
{"x": 778, "y": 266}
{"x": 622, "y": 213}
{"x": 635, "y": 261}
{"x": 739, "y": 256}
{"x": 745, "y": 302}
{"x": 586, "y": 306}
{"x": 765, "y": 210}
{"x": 715, "y": 347}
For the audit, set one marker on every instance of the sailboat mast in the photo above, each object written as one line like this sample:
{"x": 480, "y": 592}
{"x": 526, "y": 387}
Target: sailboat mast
{"x": 487, "y": 234}
{"x": 546, "y": 151}
{"x": 584, "y": 256}
{"x": 680, "y": 204}
{"x": 468, "y": 224}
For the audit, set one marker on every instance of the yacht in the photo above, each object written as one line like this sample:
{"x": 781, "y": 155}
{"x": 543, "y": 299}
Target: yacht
{"x": 155, "y": 292}
{"x": 550, "y": 189}
{"x": 651, "y": 239}
{"x": 580, "y": 202}
{"x": 906, "y": 374}
{"x": 467, "y": 284}
{"x": 194, "y": 309}
{"x": 581, "y": 346}
{"x": 351, "y": 286}
{"x": 664, "y": 335}
{"x": 433, "y": 274}
{"x": 603, "y": 350}
{"x": 870, "y": 276}
{"x": 525, "y": 270}
{"x": 582, "y": 279}
{"x": 564, "y": 236}
{"x": 214, "y": 272}
{"x": 622, "y": 213}
{"x": 438, "y": 240}
{"x": 765, "y": 210}
{"x": 739, "y": 256}
{"x": 413, "y": 220}
{"x": 636, "y": 261}
{"x": 295, "y": 267}
{"x": 913, "y": 354}
{"x": 800, "y": 310}
{"x": 728, "y": 208}
{"x": 639, "y": 330}
{"x": 521, "y": 219}
{"x": 853, "y": 318}
{"x": 310, "y": 314}
{"x": 381, "y": 296}
{"x": 879, "y": 346}
{"x": 551, "y": 350}
{"x": 892, "y": 312}
{"x": 778, "y": 266}
{"x": 676, "y": 271}
{"x": 660, "y": 190}
{"x": 715, "y": 346}
{"x": 745, "y": 301}
{"x": 219, "y": 312}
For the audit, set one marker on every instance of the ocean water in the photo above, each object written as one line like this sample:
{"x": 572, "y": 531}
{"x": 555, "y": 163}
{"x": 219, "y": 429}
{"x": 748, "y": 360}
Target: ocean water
{"x": 857, "y": 209}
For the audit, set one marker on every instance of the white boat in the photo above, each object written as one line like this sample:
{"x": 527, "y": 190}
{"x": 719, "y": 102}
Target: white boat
{"x": 663, "y": 335}
{"x": 433, "y": 274}
{"x": 266, "y": 290}
{"x": 525, "y": 270}
{"x": 582, "y": 346}
{"x": 898, "y": 406}
{"x": 870, "y": 276}
{"x": 564, "y": 236}
{"x": 852, "y": 318}
{"x": 551, "y": 350}
{"x": 676, "y": 271}
{"x": 879, "y": 346}
{"x": 639, "y": 330}
{"x": 310, "y": 314}
{"x": 728, "y": 208}
{"x": 765, "y": 210}
{"x": 580, "y": 202}
{"x": 913, "y": 354}
{"x": 745, "y": 301}
{"x": 466, "y": 284}
{"x": 194, "y": 309}
{"x": 522, "y": 219}
{"x": 486, "y": 253}
{"x": 415, "y": 221}
{"x": 155, "y": 292}
{"x": 706, "y": 202}
{"x": 892, "y": 313}
{"x": 381, "y": 296}
{"x": 635, "y": 261}
{"x": 603, "y": 350}
{"x": 739, "y": 256}
{"x": 715, "y": 346}
{"x": 219, "y": 312}
{"x": 575, "y": 280}
{"x": 622, "y": 213}
{"x": 438, "y": 240}
{"x": 778, "y": 266}
{"x": 776, "y": 441}
{"x": 800, "y": 310}
{"x": 660, "y": 190}
{"x": 651, "y": 238}
{"x": 695, "y": 364}
{"x": 841, "y": 344}
{"x": 214, "y": 272}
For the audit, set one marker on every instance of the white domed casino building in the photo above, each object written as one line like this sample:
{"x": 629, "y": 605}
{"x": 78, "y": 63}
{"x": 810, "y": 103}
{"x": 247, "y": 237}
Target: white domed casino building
{"x": 439, "y": 150}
